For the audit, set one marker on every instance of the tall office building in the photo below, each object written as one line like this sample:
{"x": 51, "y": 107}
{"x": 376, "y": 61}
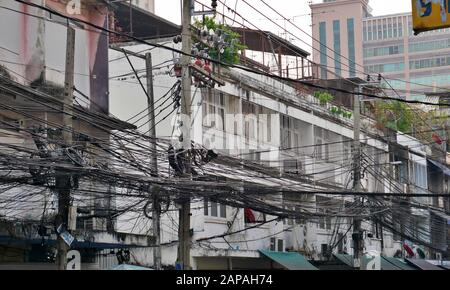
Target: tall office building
{"x": 385, "y": 44}
{"x": 337, "y": 29}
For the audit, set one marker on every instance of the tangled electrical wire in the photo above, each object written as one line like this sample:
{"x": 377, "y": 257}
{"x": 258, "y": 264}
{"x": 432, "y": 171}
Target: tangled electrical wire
{"x": 119, "y": 163}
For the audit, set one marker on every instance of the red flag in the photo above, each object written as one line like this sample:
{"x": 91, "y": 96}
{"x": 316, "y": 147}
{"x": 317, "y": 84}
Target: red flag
{"x": 409, "y": 250}
{"x": 249, "y": 216}
{"x": 437, "y": 139}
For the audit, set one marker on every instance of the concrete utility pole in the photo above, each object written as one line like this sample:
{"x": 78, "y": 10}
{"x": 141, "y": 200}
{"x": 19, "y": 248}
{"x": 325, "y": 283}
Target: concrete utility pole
{"x": 185, "y": 210}
{"x": 357, "y": 239}
{"x": 63, "y": 182}
{"x": 156, "y": 215}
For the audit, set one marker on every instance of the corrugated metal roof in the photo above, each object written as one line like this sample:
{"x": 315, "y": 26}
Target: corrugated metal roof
{"x": 397, "y": 263}
{"x": 423, "y": 265}
{"x": 291, "y": 261}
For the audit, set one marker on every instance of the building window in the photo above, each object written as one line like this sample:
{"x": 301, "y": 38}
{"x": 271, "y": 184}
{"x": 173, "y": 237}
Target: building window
{"x": 321, "y": 141}
{"x": 382, "y": 68}
{"x": 400, "y": 27}
{"x": 395, "y": 28}
{"x": 292, "y": 222}
{"x": 390, "y": 28}
{"x": 264, "y": 124}
{"x": 401, "y": 171}
{"x": 429, "y": 45}
{"x": 419, "y": 175}
{"x": 380, "y": 30}
{"x": 337, "y": 46}
{"x": 365, "y": 31}
{"x": 250, "y": 120}
{"x": 276, "y": 245}
{"x": 285, "y": 132}
{"x": 351, "y": 47}
{"x": 322, "y": 203}
{"x": 385, "y": 50}
{"x": 436, "y": 80}
{"x": 214, "y": 209}
{"x": 347, "y": 149}
{"x": 323, "y": 49}
{"x": 429, "y": 63}
{"x": 410, "y": 26}
{"x": 374, "y": 30}
{"x": 324, "y": 221}
{"x": 214, "y": 110}
{"x": 369, "y": 32}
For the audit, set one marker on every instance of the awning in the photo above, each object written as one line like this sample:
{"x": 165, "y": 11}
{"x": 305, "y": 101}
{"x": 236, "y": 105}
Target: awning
{"x": 441, "y": 166}
{"x": 129, "y": 267}
{"x": 423, "y": 265}
{"x": 265, "y": 41}
{"x": 142, "y": 24}
{"x": 344, "y": 258}
{"x": 387, "y": 266}
{"x": 388, "y": 263}
{"x": 441, "y": 264}
{"x": 291, "y": 261}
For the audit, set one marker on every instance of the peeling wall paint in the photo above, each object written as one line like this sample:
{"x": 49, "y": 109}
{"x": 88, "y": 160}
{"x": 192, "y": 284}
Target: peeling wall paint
{"x": 32, "y": 49}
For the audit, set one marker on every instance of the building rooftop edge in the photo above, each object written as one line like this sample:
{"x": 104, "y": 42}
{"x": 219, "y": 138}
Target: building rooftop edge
{"x": 365, "y": 2}
{"x": 388, "y": 15}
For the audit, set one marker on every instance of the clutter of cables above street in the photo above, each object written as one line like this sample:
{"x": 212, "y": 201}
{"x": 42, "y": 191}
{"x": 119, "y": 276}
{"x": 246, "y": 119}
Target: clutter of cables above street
{"x": 111, "y": 160}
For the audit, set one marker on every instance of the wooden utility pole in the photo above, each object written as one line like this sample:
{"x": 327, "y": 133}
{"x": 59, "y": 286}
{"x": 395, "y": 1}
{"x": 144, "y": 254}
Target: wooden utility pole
{"x": 156, "y": 215}
{"x": 63, "y": 182}
{"x": 185, "y": 210}
{"x": 357, "y": 239}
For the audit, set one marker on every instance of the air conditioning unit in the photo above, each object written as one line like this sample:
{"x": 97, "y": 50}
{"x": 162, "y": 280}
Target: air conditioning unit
{"x": 293, "y": 166}
{"x": 276, "y": 245}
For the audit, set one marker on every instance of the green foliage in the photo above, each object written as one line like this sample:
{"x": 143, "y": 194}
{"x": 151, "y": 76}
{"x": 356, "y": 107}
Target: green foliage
{"x": 326, "y": 98}
{"x": 395, "y": 115}
{"x": 231, "y": 53}
{"x": 323, "y": 97}
{"x": 339, "y": 111}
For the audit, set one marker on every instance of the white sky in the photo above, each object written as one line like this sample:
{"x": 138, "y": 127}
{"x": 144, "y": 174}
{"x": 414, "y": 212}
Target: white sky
{"x": 170, "y": 9}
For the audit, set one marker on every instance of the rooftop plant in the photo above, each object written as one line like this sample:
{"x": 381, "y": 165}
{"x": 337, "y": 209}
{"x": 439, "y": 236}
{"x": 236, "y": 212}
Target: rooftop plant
{"x": 230, "y": 52}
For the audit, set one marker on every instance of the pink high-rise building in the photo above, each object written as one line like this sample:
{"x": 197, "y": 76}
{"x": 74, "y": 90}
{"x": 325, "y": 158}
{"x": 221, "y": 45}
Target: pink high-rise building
{"x": 337, "y": 28}
{"x": 350, "y": 42}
